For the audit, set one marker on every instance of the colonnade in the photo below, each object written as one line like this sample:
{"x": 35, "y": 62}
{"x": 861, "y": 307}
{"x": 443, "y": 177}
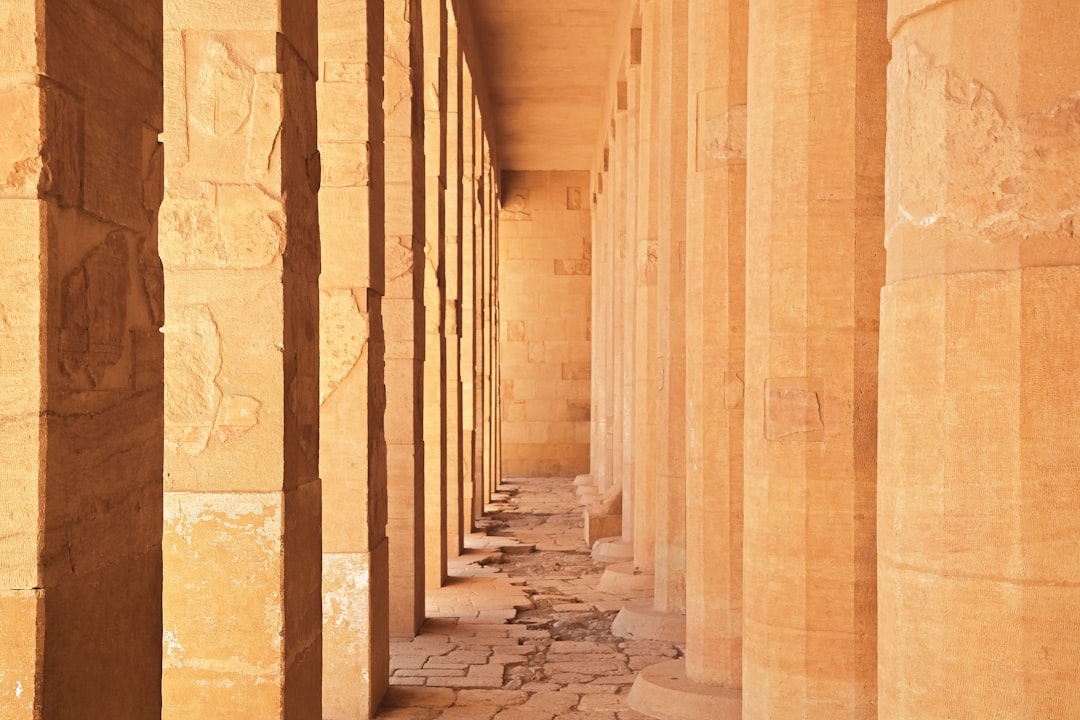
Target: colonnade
{"x": 837, "y": 380}
{"x": 249, "y": 357}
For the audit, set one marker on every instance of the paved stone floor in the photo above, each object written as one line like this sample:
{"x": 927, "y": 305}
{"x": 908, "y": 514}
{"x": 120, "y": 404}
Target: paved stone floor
{"x": 521, "y": 631}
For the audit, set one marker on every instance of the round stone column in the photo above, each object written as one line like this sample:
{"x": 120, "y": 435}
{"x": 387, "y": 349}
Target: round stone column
{"x": 707, "y": 684}
{"x": 979, "y": 577}
{"x": 814, "y": 267}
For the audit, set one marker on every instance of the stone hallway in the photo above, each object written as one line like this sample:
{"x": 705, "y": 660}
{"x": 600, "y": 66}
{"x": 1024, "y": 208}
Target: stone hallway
{"x": 522, "y": 631}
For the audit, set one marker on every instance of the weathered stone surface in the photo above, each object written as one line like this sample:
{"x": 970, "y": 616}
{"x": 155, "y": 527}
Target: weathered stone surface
{"x": 544, "y": 294}
{"x": 240, "y": 246}
{"x": 80, "y": 361}
{"x": 813, "y": 267}
{"x": 976, "y": 394}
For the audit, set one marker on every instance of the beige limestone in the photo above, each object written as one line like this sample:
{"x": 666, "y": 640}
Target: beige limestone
{"x": 404, "y": 312}
{"x": 239, "y": 230}
{"x": 544, "y": 293}
{"x": 816, "y": 123}
{"x": 976, "y": 489}
{"x": 81, "y": 308}
{"x": 352, "y": 458}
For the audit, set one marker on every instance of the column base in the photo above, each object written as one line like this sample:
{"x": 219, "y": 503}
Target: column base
{"x": 600, "y": 525}
{"x": 663, "y": 691}
{"x": 612, "y": 549}
{"x": 587, "y": 495}
{"x": 641, "y": 621}
{"x": 625, "y": 578}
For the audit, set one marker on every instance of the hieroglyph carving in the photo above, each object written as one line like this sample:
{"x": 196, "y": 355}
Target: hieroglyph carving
{"x": 93, "y": 310}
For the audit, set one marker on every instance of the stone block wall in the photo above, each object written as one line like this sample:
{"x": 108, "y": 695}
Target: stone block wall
{"x": 545, "y": 276}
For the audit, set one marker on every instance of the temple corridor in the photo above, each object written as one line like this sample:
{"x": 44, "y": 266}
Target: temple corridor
{"x": 539, "y": 359}
{"x": 523, "y": 630}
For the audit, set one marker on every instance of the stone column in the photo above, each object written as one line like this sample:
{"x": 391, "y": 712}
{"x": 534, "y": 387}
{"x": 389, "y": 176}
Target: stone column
{"x": 813, "y": 265}
{"x": 483, "y": 365}
{"x": 599, "y": 474}
{"x": 663, "y": 617}
{"x": 977, "y": 525}
{"x": 491, "y": 215}
{"x": 490, "y": 328}
{"x": 670, "y": 583}
{"x": 627, "y": 268}
{"x": 639, "y": 526}
{"x": 455, "y": 510}
{"x": 610, "y": 314}
{"x": 434, "y": 101}
{"x": 403, "y": 311}
{"x": 619, "y": 548}
{"x": 80, "y": 361}
{"x": 469, "y": 498}
{"x": 352, "y": 457}
{"x": 240, "y": 243}
{"x": 707, "y": 685}
{"x": 479, "y": 489}
{"x": 645, "y": 250}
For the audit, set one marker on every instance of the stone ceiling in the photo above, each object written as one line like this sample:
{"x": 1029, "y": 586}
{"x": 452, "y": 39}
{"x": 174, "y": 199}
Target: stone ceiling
{"x": 546, "y": 63}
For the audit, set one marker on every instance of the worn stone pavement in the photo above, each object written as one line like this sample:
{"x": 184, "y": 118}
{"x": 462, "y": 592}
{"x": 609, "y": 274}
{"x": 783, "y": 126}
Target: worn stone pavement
{"x": 521, "y": 631}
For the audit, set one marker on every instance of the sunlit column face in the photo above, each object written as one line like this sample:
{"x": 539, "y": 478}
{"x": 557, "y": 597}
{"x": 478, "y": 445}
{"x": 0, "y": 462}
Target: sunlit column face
{"x": 240, "y": 246}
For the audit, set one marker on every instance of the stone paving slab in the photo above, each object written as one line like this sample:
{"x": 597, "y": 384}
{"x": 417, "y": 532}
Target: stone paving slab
{"x": 521, "y": 631}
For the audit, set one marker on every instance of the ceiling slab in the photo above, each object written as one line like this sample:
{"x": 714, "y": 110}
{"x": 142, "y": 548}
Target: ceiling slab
{"x": 547, "y": 68}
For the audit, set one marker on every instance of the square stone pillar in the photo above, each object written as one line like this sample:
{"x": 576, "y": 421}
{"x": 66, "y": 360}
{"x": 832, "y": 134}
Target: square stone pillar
{"x": 980, "y": 390}
{"x": 403, "y": 311}
{"x": 240, "y": 243}
{"x": 81, "y": 361}
{"x": 816, "y": 124}
{"x": 483, "y": 314}
{"x": 435, "y": 147}
{"x": 489, "y": 213}
{"x": 452, "y": 326}
{"x": 467, "y": 365}
{"x": 491, "y": 329}
{"x": 352, "y": 459}
{"x": 480, "y": 497}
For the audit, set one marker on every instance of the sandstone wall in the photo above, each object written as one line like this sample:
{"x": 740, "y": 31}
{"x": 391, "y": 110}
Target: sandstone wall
{"x": 545, "y": 301}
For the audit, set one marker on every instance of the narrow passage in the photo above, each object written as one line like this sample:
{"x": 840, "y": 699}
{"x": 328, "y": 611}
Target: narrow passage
{"x": 522, "y": 631}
